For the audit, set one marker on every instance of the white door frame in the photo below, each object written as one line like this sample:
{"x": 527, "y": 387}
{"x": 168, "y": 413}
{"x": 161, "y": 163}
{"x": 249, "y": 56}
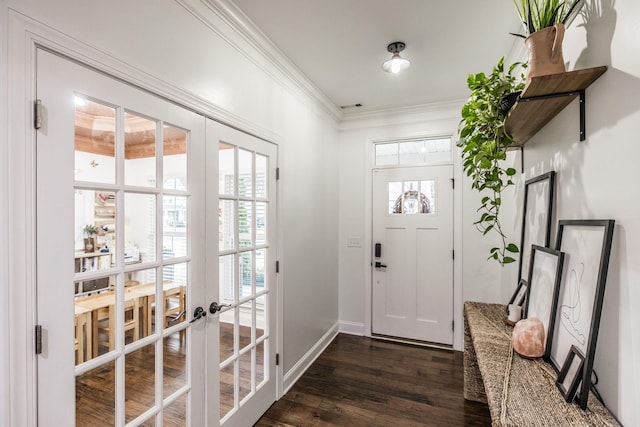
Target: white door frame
{"x": 18, "y": 210}
{"x": 457, "y": 227}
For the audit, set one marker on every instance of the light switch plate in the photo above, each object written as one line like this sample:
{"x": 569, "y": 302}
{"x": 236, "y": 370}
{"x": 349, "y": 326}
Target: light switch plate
{"x": 354, "y": 242}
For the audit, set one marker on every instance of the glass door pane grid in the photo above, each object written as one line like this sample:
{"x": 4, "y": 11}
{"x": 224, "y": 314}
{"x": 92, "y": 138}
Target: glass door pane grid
{"x": 246, "y": 250}
{"x": 119, "y": 269}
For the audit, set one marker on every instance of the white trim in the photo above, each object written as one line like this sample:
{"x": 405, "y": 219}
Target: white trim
{"x": 294, "y": 374}
{"x": 240, "y": 23}
{"x": 5, "y": 370}
{"x": 76, "y": 50}
{"x": 21, "y": 216}
{"x": 352, "y": 328}
{"x": 403, "y": 115}
{"x": 279, "y": 304}
{"x": 457, "y": 223}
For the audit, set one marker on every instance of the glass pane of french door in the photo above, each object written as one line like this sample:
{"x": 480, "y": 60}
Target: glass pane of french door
{"x": 246, "y": 277}
{"x": 119, "y": 187}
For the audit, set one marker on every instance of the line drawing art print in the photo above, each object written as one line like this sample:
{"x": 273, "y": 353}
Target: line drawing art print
{"x": 586, "y": 245}
{"x": 571, "y": 311}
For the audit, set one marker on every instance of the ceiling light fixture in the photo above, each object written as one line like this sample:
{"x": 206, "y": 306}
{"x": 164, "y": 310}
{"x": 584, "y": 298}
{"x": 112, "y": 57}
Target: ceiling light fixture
{"x": 396, "y": 63}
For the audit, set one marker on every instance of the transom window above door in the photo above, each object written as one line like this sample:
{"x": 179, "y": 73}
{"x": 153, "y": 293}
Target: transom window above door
{"x": 418, "y": 151}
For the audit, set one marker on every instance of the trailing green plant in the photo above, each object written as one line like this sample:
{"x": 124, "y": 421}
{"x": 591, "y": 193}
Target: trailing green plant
{"x": 484, "y": 142}
{"x": 538, "y": 14}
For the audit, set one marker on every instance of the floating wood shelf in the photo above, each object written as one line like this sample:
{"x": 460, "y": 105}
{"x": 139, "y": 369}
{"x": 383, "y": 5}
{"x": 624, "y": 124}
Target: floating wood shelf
{"x": 544, "y": 97}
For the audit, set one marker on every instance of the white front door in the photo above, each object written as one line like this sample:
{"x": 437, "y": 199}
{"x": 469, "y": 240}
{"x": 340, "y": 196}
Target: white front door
{"x": 413, "y": 274}
{"x": 120, "y": 253}
{"x": 242, "y": 208}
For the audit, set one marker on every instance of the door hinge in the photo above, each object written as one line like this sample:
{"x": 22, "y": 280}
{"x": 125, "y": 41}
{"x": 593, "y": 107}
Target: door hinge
{"x": 37, "y": 114}
{"x": 38, "y": 339}
{"x": 453, "y": 254}
{"x": 453, "y": 183}
{"x": 277, "y": 266}
{"x": 277, "y": 174}
{"x": 453, "y": 325}
{"x": 277, "y": 359}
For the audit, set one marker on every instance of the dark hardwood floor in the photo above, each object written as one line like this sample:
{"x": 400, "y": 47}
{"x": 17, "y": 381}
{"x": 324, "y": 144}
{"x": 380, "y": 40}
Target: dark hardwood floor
{"x": 357, "y": 381}
{"x": 360, "y": 381}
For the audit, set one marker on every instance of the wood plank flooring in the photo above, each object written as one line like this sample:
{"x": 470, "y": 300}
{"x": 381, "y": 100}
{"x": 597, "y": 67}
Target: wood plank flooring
{"x": 357, "y": 381}
{"x": 360, "y": 381}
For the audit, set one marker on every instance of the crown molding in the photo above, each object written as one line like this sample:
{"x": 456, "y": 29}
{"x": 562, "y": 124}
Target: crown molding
{"x": 287, "y": 72}
{"x": 444, "y": 110}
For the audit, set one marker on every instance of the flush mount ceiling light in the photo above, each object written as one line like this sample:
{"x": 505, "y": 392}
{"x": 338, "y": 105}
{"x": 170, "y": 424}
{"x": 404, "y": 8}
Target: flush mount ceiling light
{"x": 396, "y": 63}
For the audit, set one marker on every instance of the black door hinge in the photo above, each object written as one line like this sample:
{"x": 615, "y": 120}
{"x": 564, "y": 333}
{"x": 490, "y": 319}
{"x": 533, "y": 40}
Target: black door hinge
{"x": 277, "y": 359}
{"x": 277, "y": 266}
{"x": 37, "y": 114}
{"x": 453, "y": 254}
{"x": 453, "y": 183}
{"x": 38, "y": 339}
{"x": 453, "y": 325}
{"x": 277, "y": 174}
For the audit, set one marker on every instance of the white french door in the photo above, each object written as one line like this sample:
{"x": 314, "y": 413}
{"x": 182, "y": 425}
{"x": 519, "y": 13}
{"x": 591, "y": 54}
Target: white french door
{"x": 120, "y": 253}
{"x": 412, "y": 290}
{"x": 242, "y": 208}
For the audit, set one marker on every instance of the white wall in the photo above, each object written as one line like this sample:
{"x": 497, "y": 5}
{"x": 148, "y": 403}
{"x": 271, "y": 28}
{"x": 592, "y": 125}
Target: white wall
{"x": 597, "y": 179}
{"x": 192, "y": 52}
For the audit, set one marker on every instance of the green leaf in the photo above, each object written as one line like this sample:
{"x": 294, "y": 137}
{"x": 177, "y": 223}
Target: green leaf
{"x": 486, "y": 230}
{"x": 510, "y": 171}
{"x": 508, "y": 260}
{"x": 513, "y": 248}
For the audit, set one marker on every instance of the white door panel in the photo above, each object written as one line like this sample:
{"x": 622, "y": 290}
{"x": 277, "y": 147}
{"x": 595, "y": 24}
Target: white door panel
{"x": 413, "y": 222}
{"x": 131, "y": 165}
{"x": 242, "y": 346}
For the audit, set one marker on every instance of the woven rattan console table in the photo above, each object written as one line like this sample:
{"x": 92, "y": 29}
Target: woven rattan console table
{"x": 520, "y": 392}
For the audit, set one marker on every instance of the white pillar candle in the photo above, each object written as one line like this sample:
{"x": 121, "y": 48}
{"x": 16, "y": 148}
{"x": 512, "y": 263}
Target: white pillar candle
{"x": 515, "y": 312}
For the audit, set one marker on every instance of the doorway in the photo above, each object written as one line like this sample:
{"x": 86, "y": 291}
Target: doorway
{"x": 127, "y": 185}
{"x": 412, "y": 268}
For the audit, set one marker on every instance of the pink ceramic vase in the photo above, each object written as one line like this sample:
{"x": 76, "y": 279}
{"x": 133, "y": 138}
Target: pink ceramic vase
{"x": 545, "y": 52}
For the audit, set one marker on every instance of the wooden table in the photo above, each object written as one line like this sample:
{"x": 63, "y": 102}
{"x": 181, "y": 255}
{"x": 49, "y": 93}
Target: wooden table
{"x": 146, "y": 295}
{"x": 98, "y": 306}
{"x": 90, "y": 310}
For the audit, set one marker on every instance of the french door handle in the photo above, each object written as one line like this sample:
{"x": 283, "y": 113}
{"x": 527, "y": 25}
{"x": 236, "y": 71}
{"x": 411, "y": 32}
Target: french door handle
{"x": 380, "y": 265}
{"x": 198, "y": 314}
{"x": 215, "y": 307}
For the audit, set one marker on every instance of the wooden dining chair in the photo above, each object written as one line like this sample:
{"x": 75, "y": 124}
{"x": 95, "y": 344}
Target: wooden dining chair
{"x": 106, "y": 326}
{"x": 174, "y": 305}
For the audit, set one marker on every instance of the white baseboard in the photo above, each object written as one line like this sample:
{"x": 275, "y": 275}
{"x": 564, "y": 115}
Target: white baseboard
{"x": 310, "y": 356}
{"x": 351, "y": 328}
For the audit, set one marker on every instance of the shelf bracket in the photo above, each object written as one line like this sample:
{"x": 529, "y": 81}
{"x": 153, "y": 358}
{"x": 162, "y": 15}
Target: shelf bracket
{"x": 583, "y": 103}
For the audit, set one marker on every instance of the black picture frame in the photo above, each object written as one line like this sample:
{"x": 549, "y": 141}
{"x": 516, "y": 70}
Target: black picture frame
{"x": 537, "y": 216}
{"x": 587, "y": 248}
{"x": 519, "y": 295}
{"x": 570, "y": 375}
{"x": 542, "y": 290}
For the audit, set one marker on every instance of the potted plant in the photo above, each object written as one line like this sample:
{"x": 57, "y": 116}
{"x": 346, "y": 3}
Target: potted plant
{"x": 544, "y": 22}
{"x": 90, "y": 231}
{"x": 484, "y": 142}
